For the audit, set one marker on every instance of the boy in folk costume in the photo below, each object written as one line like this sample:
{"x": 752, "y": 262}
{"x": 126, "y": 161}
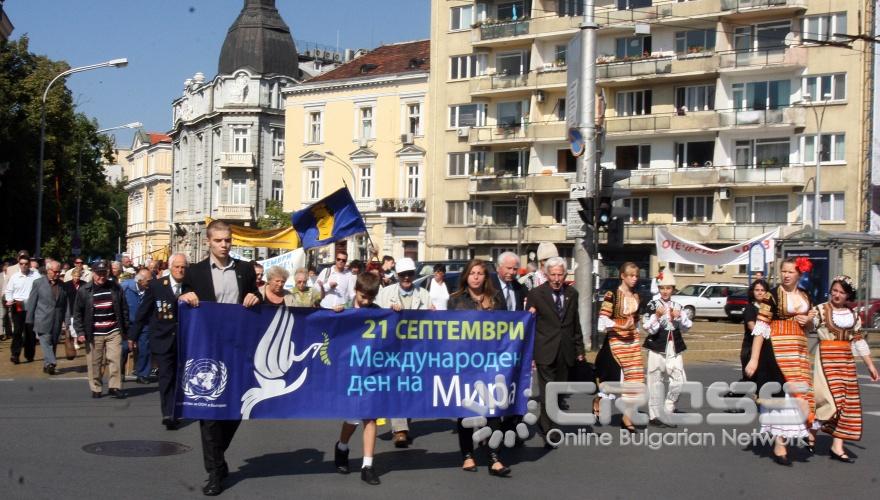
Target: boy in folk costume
{"x": 664, "y": 322}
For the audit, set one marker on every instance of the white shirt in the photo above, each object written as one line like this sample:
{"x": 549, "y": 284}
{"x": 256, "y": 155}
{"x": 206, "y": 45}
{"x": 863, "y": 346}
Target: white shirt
{"x": 439, "y": 295}
{"x": 19, "y": 285}
{"x": 509, "y": 295}
{"x": 344, "y": 290}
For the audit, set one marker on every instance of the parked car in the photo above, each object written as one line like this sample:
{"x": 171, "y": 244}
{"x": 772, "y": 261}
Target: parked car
{"x": 451, "y": 278}
{"x": 643, "y": 288}
{"x": 869, "y": 312}
{"x": 426, "y": 268}
{"x": 707, "y": 300}
{"x": 736, "y": 304}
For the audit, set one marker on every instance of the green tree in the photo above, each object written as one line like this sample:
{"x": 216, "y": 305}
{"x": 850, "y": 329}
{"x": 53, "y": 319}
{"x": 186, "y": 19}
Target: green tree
{"x": 275, "y": 217}
{"x": 72, "y": 145}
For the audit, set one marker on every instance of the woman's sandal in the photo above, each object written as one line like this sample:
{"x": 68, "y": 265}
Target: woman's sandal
{"x": 472, "y": 468}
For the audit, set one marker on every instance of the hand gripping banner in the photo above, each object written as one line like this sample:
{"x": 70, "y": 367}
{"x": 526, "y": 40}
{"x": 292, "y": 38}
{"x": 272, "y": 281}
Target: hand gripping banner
{"x": 294, "y": 363}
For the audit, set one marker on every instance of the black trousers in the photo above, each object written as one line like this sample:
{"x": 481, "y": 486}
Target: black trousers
{"x": 22, "y": 335}
{"x": 466, "y": 435}
{"x": 216, "y": 436}
{"x": 167, "y": 362}
{"x": 556, "y": 372}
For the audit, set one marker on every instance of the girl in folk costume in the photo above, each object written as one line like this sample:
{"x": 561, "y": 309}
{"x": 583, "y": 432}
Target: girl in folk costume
{"x": 664, "y": 323}
{"x": 838, "y": 405}
{"x": 620, "y": 358}
{"x": 779, "y": 354}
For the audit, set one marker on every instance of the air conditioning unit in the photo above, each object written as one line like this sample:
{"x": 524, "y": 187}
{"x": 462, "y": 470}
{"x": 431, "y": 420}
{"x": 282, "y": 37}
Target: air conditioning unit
{"x": 539, "y": 96}
{"x": 464, "y": 131}
{"x": 724, "y": 194}
{"x": 406, "y": 138}
{"x": 363, "y": 142}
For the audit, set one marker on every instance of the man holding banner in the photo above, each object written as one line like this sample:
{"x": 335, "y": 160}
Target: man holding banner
{"x": 222, "y": 279}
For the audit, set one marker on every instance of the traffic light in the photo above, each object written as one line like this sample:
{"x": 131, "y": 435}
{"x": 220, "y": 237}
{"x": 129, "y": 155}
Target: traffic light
{"x": 611, "y": 212}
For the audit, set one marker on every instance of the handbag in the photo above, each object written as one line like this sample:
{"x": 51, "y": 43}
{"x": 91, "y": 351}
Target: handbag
{"x": 582, "y": 371}
{"x": 69, "y": 348}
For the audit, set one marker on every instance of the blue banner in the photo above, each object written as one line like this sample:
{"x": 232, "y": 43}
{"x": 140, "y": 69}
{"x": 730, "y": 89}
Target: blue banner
{"x": 277, "y": 362}
{"x": 328, "y": 220}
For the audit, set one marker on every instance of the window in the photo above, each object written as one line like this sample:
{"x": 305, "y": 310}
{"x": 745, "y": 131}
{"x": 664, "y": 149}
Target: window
{"x": 413, "y": 180}
{"x": 463, "y": 212}
{"x": 459, "y": 253}
{"x": 833, "y": 148}
{"x": 467, "y": 115}
{"x": 565, "y": 161}
{"x": 512, "y": 162}
{"x": 570, "y": 7}
{"x": 464, "y": 164}
{"x": 414, "y": 118}
{"x": 560, "y": 110}
{"x": 277, "y": 191}
{"x": 365, "y": 130}
{"x": 512, "y": 10}
{"x": 314, "y": 183}
{"x": 695, "y": 98}
{"x": 561, "y": 54}
{"x": 365, "y": 175}
{"x": 238, "y": 191}
{"x": 633, "y": 157}
{"x": 277, "y": 141}
{"x": 760, "y": 209}
{"x": 679, "y": 268}
{"x": 314, "y": 129}
{"x": 695, "y": 154}
{"x": 512, "y": 64}
{"x": 831, "y": 207}
{"x": 240, "y": 140}
{"x": 824, "y": 27}
{"x": 693, "y": 208}
{"x": 632, "y": 4}
{"x": 505, "y": 213}
{"x": 825, "y": 88}
{"x": 689, "y": 42}
{"x": 560, "y": 211}
{"x": 638, "y": 209}
{"x": 762, "y": 95}
{"x": 461, "y": 18}
{"x": 769, "y": 36}
{"x": 510, "y": 114}
{"x": 772, "y": 152}
{"x": 467, "y": 66}
{"x": 634, "y": 103}
{"x": 634, "y": 46}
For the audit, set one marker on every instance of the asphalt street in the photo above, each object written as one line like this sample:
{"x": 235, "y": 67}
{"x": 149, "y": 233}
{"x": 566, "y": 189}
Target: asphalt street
{"x": 46, "y": 425}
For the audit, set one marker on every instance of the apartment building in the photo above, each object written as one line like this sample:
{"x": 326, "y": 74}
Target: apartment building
{"x": 716, "y": 106}
{"x": 363, "y": 125}
{"x": 148, "y": 184}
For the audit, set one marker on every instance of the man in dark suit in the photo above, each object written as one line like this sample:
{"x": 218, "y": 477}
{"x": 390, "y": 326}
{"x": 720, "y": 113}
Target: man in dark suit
{"x": 505, "y": 281}
{"x": 47, "y": 311}
{"x": 219, "y": 278}
{"x": 558, "y": 337}
{"x": 157, "y": 314}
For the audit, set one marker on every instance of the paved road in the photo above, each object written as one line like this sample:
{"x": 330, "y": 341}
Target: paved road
{"x": 45, "y": 424}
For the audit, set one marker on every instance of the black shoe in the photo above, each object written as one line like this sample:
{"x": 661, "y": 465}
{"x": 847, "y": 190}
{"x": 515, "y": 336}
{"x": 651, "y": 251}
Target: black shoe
{"x": 96, "y": 395}
{"x": 340, "y": 458}
{"x": 29, "y": 360}
{"x": 368, "y": 475}
{"x": 214, "y": 486}
{"x": 656, "y": 422}
{"x": 117, "y": 394}
{"x": 170, "y": 423}
{"x": 472, "y": 468}
{"x": 142, "y": 380}
{"x": 782, "y": 459}
{"x": 14, "y": 360}
{"x": 504, "y": 471}
{"x": 842, "y": 458}
{"x": 50, "y": 369}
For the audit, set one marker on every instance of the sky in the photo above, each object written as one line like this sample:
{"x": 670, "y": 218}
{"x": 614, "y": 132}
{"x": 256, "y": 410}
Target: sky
{"x": 168, "y": 41}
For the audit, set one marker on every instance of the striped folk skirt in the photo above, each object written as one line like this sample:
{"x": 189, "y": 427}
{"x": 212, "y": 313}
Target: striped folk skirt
{"x": 620, "y": 358}
{"x": 790, "y": 351}
{"x": 838, "y": 403}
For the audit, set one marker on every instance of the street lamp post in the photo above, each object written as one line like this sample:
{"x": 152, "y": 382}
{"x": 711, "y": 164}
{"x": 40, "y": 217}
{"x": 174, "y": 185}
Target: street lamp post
{"x": 817, "y": 199}
{"x": 340, "y": 161}
{"x": 114, "y": 63}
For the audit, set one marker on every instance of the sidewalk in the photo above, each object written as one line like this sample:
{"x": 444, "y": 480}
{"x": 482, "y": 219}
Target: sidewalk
{"x": 64, "y": 368}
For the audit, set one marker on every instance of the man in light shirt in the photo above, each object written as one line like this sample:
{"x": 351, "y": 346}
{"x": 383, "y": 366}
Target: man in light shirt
{"x": 18, "y": 289}
{"x": 337, "y": 283}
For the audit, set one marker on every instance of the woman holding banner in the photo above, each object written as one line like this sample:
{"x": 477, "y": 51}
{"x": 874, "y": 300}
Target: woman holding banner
{"x": 476, "y": 293}
{"x": 620, "y": 358}
{"x": 838, "y": 403}
{"x": 779, "y": 354}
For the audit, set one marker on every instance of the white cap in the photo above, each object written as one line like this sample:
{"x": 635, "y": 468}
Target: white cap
{"x": 547, "y": 250}
{"x": 405, "y": 264}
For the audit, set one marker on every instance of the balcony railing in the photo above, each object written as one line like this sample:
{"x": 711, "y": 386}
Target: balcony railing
{"x": 235, "y": 212}
{"x": 652, "y": 178}
{"x": 236, "y": 160}
{"x": 758, "y": 4}
{"x": 137, "y": 227}
{"x": 523, "y": 132}
{"x": 637, "y": 123}
{"x": 504, "y": 29}
{"x": 501, "y": 82}
{"x": 776, "y": 56}
{"x": 528, "y": 233}
{"x": 793, "y": 116}
{"x": 404, "y": 205}
{"x": 625, "y": 69}
{"x": 483, "y": 183}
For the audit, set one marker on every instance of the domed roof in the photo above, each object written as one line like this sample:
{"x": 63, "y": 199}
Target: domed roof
{"x": 259, "y": 40}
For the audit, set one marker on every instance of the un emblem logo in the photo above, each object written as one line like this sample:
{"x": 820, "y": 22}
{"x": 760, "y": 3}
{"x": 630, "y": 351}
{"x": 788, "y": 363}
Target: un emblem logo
{"x": 204, "y": 379}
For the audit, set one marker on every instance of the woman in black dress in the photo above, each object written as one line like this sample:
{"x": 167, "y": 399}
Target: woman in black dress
{"x": 757, "y": 290}
{"x": 476, "y": 293}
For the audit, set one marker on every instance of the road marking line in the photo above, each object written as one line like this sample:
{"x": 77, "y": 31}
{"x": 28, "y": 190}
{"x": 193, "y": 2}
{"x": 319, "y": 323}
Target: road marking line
{"x": 871, "y": 385}
{"x": 7, "y": 379}
{"x": 70, "y": 378}
{"x": 875, "y": 413}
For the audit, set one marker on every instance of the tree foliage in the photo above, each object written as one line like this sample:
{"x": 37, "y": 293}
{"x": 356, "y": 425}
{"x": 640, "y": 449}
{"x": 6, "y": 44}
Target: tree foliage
{"x": 72, "y": 163}
{"x": 275, "y": 217}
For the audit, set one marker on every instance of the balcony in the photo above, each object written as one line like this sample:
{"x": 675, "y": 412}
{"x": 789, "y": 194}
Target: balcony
{"x": 531, "y": 184}
{"x": 755, "y": 61}
{"x": 532, "y": 233}
{"x": 137, "y": 227}
{"x": 614, "y": 73}
{"x": 708, "y": 177}
{"x": 507, "y": 29}
{"x": 525, "y": 133}
{"x": 748, "y": 9}
{"x": 235, "y": 212}
{"x": 780, "y": 117}
{"x": 642, "y": 123}
{"x": 512, "y": 33}
{"x": 704, "y": 121}
{"x": 237, "y": 160}
{"x": 550, "y": 78}
{"x": 401, "y": 207}
{"x": 501, "y": 84}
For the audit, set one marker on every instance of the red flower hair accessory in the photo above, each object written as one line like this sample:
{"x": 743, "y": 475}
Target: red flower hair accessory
{"x": 803, "y": 265}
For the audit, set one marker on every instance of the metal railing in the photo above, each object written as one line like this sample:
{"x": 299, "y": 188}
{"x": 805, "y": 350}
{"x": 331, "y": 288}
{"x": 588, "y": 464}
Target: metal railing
{"x": 774, "y": 56}
{"x": 504, "y": 29}
{"x": 746, "y": 117}
{"x": 755, "y": 4}
{"x": 500, "y": 82}
{"x": 623, "y": 69}
{"x": 411, "y": 205}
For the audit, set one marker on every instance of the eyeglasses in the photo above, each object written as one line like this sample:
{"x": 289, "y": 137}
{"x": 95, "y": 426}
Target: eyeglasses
{"x": 343, "y": 259}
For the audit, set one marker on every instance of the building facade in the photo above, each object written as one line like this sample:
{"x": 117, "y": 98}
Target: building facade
{"x": 363, "y": 125}
{"x": 148, "y": 184}
{"x": 720, "y": 108}
{"x": 6, "y": 26}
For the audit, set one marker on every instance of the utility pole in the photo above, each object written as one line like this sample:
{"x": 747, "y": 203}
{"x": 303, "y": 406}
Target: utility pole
{"x": 583, "y": 245}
